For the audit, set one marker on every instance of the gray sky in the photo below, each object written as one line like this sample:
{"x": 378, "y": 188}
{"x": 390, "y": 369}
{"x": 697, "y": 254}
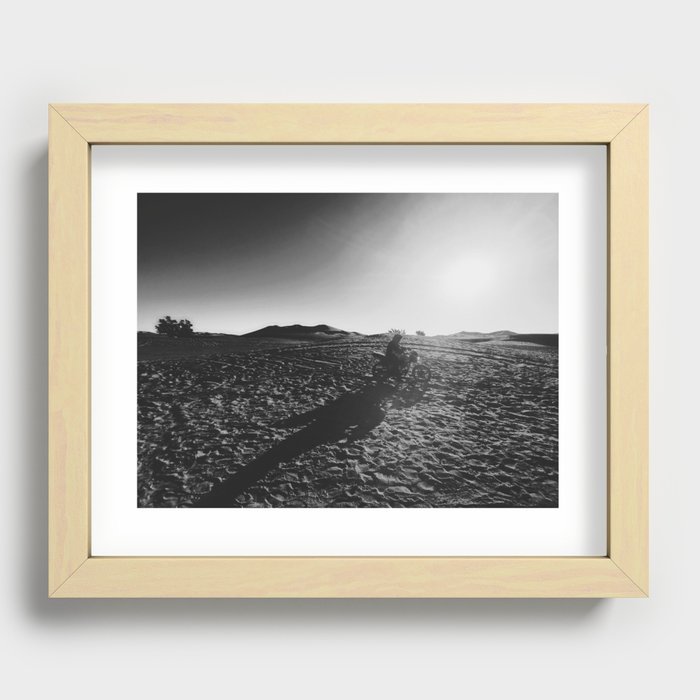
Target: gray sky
{"x": 441, "y": 263}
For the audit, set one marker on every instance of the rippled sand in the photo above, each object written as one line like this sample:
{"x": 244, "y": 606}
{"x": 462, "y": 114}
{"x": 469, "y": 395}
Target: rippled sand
{"x": 304, "y": 425}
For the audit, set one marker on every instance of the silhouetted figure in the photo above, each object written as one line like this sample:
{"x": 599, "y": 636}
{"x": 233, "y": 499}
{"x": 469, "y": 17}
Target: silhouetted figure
{"x": 395, "y": 354}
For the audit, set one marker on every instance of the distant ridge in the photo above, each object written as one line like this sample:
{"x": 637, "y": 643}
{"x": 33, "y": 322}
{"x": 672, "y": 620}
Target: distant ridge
{"x": 477, "y": 334}
{"x": 548, "y": 339}
{"x": 297, "y": 330}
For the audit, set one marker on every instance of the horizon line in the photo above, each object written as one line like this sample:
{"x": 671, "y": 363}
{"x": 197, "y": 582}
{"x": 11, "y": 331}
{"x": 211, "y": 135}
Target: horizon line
{"x": 386, "y": 332}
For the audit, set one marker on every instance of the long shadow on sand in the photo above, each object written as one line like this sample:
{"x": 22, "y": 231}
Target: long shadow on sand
{"x": 349, "y": 417}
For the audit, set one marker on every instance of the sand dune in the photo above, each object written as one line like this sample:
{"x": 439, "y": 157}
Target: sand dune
{"x": 304, "y": 425}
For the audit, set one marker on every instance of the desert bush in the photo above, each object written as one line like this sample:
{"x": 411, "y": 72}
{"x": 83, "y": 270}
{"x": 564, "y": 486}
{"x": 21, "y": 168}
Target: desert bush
{"x": 420, "y": 332}
{"x": 175, "y": 329}
{"x": 394, "y": 331}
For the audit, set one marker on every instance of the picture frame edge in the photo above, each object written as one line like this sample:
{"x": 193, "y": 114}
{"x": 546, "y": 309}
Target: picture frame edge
{"x": 73, "y": 129}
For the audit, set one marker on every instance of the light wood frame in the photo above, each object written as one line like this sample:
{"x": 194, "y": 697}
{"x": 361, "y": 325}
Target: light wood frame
{"x": 73, "y": 572}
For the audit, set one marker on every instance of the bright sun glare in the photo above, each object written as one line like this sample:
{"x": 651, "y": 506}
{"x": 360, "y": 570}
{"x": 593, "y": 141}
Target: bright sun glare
{"x": 466, "y": 278}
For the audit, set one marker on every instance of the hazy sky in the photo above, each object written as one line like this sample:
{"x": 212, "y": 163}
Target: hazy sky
{"x": 441, "y": 263}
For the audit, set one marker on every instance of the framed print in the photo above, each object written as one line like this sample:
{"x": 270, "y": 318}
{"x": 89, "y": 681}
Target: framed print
{"x": 348, "y": 350}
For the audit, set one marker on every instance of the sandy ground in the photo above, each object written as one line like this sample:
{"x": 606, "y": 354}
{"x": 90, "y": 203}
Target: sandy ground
{"x": 302, "y": 424}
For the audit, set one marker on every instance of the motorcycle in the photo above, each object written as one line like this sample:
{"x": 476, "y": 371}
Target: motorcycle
{"x": 407, "y": 367}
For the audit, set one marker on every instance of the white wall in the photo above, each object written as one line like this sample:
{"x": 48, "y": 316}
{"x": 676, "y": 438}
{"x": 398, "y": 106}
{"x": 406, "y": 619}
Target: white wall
{"x": 360, "y": 51}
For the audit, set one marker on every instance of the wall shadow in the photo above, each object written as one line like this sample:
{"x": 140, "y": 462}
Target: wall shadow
{"x": 328, "y": 614}
{"x": 32, "y": 530}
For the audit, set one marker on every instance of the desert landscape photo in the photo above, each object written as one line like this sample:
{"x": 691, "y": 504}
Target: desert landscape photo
{"x": 348, "y": 350}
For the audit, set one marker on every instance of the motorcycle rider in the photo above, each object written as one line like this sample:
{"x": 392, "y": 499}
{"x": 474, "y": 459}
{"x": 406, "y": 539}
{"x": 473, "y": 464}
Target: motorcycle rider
{"x": 395, "y": 354}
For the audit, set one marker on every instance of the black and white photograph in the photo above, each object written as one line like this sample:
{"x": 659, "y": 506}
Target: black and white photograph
{"x": 348, "y": 350}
